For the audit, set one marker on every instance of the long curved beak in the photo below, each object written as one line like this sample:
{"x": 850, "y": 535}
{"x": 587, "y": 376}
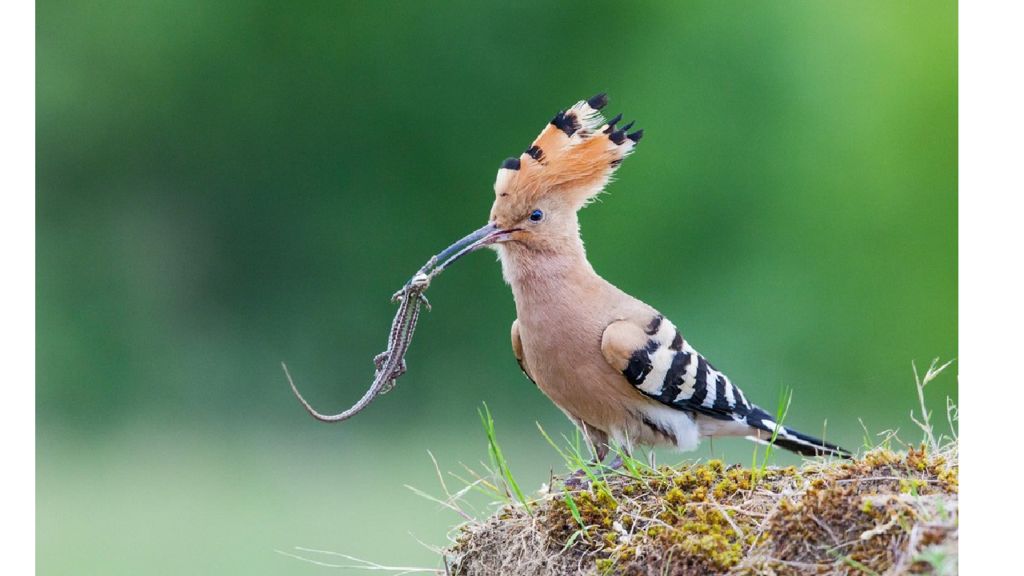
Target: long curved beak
{"x": 472, "y": 242}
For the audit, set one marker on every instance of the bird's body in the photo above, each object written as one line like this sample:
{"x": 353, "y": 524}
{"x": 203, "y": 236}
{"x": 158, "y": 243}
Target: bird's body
{"x": 618, "y": 368}
{"x": 563, "y": 312}
{"x": 614, "y": 365}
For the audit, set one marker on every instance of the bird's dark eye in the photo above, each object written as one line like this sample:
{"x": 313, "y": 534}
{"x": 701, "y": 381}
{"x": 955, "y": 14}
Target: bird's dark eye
{"x": 536, "y": 216}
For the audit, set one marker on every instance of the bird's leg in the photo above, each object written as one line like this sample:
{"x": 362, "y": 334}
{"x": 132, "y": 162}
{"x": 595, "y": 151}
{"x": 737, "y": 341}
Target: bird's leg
{"x": 597, "y": 440}
{"x": 625, "y": 449}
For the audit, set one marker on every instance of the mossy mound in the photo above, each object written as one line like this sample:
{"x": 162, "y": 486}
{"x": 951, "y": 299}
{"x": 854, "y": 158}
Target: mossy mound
{"x": 885, "y": 512}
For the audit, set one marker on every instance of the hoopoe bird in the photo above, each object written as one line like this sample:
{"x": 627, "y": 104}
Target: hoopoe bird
{"x": 615, "y": 366}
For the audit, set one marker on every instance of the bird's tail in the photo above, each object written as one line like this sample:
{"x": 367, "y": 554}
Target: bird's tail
{"x": 788, "y": 438}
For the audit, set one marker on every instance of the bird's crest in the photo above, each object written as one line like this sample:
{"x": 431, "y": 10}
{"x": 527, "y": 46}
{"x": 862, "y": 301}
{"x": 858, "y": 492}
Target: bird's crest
{"x": 575, "y": 155}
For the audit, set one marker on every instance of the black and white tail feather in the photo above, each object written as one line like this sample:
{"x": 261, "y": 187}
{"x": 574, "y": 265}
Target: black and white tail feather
{"x": 670, "y": 371}
{"x": 790, "y": 439}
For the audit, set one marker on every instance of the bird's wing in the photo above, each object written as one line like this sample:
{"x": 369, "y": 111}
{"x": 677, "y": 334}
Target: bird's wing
{"x": 658, "y": 362}
{"x": 517, "y": 349}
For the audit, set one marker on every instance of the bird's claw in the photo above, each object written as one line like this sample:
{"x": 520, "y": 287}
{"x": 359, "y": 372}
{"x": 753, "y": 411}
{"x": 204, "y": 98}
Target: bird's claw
{"x": 578, "y": 480}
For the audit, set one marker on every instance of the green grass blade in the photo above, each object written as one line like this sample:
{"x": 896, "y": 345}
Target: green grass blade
{"x": 498, "y": 458}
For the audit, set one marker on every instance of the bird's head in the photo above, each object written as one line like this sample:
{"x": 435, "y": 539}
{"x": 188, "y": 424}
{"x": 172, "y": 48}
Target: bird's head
{"x": 538, "y": 193}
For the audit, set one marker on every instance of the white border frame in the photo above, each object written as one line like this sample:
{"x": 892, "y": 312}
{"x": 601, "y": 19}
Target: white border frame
{"x": 17, "y": 304}
{"x": 991, "y": 156}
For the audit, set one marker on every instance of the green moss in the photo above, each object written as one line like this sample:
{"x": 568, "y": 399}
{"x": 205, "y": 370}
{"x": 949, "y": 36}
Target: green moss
{"x": 710, "y": 519}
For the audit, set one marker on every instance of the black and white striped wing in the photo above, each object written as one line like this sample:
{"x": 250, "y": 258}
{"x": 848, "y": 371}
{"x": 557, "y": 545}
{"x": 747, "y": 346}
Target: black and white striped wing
{"x": 661, "y": 364}
{"x": 669, "y": 370}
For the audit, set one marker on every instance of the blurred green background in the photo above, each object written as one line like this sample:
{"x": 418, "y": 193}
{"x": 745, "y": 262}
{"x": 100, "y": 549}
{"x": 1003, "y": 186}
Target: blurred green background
{"x": 226, "y": 185}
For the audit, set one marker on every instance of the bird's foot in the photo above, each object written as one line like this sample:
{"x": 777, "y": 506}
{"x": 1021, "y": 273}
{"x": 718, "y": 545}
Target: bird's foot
{"x": 580, "y": 479}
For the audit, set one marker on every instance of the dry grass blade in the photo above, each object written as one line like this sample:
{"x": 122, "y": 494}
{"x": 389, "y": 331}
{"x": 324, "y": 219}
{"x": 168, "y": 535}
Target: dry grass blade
{"x": 925, "y": 423}
{"x": 358, "y": 563}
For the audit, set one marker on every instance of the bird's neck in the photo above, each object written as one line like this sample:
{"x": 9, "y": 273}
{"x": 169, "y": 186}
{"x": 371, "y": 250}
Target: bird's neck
{"x": 542, "y": 278}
